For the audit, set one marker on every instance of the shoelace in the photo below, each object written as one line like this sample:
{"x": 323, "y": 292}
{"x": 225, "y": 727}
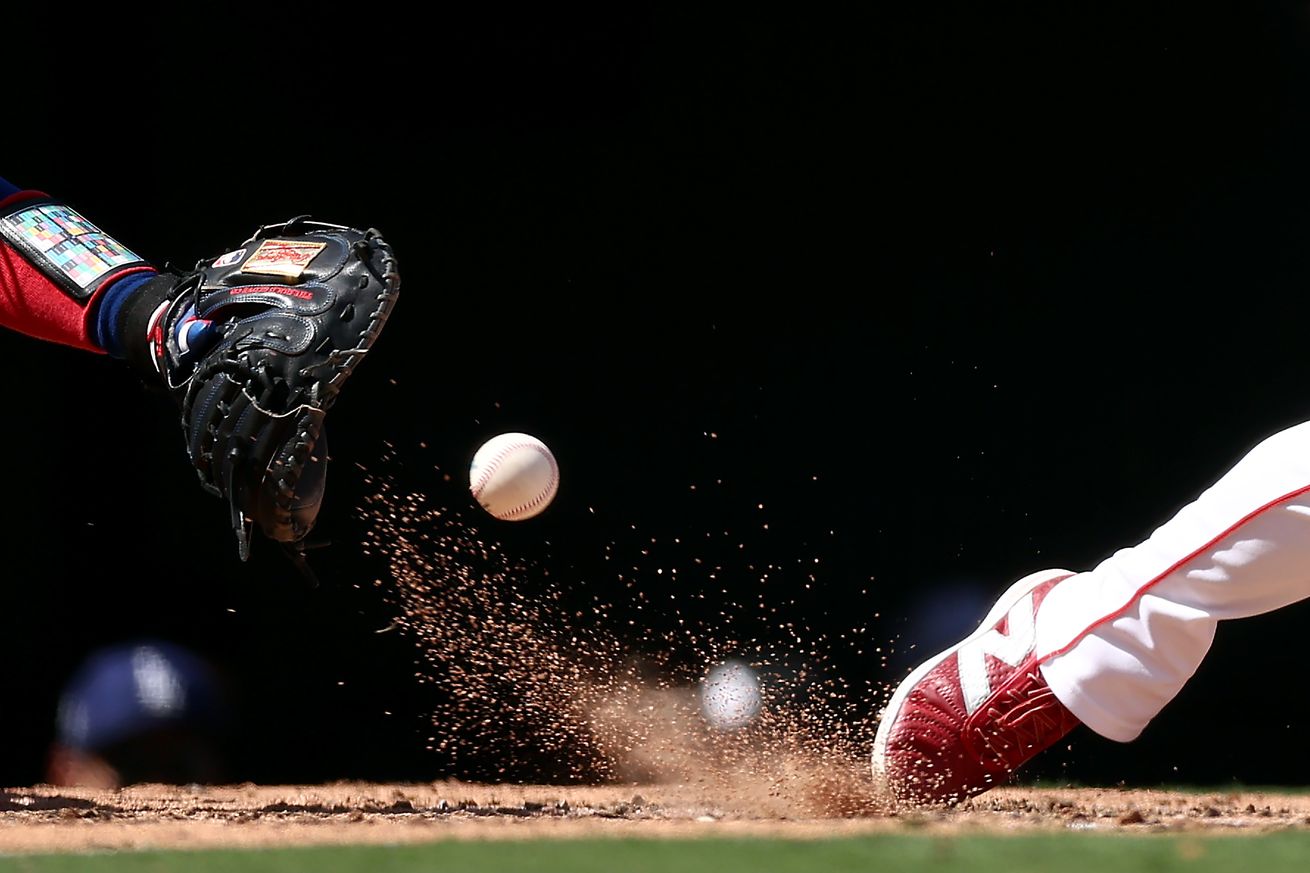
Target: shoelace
{"x": 1023, "y": 722}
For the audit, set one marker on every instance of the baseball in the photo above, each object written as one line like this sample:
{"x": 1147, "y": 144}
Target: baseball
{"x": 514, "y": 476}
{"x": 730, "y": 695}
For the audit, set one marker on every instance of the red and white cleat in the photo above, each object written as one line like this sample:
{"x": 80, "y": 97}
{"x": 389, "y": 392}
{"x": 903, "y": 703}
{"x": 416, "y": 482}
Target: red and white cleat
{"x": 965, "y": 720}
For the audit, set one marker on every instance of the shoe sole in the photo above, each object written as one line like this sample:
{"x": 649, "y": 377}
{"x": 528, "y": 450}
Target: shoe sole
{"x": 1002, "y": 607}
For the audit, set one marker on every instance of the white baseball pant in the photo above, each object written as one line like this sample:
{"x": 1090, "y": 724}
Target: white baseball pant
{"x": 1118, "y": 642}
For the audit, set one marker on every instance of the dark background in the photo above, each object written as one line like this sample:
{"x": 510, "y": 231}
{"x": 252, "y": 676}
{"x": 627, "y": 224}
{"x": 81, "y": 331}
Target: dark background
{"x": 963, "y": 291}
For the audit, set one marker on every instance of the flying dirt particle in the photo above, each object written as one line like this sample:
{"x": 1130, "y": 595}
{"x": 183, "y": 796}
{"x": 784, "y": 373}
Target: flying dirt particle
{"x": 538, "y": 678}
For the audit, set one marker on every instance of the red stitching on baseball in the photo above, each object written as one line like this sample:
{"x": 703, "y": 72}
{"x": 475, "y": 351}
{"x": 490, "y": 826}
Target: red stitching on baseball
{"x": 491, "y": 467}
{"x": 504, "y": 453}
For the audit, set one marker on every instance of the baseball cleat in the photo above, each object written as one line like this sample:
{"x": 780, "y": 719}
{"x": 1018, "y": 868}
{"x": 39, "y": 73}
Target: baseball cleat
{"x": 967, "y": 719}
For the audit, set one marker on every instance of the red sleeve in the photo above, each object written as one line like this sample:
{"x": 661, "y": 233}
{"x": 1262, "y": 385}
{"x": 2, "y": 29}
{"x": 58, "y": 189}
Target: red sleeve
{"x": 31, "y": 304}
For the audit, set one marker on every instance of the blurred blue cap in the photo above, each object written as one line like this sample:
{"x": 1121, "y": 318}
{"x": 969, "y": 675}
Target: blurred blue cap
{"x": 129, "y": 689}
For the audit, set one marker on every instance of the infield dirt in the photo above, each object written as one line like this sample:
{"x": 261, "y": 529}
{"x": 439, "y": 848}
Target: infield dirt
{"x": 44, "y": 819}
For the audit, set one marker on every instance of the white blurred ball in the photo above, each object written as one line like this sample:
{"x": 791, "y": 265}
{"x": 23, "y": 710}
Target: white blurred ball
{"x": 514, "y": 476}
{"x": 730, "y": 695}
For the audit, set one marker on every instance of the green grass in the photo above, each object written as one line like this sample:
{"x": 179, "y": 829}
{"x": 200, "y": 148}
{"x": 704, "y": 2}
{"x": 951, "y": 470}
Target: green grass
{"x": 1065, "y": 853}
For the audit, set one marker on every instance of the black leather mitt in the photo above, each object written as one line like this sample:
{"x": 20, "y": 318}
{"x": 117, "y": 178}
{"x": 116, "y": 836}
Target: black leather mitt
{"x": 254, "y": 345}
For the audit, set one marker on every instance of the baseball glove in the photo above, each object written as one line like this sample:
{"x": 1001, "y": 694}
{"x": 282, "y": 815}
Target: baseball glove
{"x": 254, "y": 346}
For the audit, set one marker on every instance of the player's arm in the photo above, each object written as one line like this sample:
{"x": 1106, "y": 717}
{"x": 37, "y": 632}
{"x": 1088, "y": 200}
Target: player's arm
{"x": 253, "y": 344}
{"x": 62, "y": 279}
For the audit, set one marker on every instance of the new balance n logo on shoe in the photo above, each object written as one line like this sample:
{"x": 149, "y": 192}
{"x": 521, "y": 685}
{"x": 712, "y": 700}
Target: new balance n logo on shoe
{"x": 1010, "y": 646}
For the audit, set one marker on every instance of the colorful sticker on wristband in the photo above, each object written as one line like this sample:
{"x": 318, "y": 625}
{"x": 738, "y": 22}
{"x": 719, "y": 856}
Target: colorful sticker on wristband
{"x": 69, "y": 243}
